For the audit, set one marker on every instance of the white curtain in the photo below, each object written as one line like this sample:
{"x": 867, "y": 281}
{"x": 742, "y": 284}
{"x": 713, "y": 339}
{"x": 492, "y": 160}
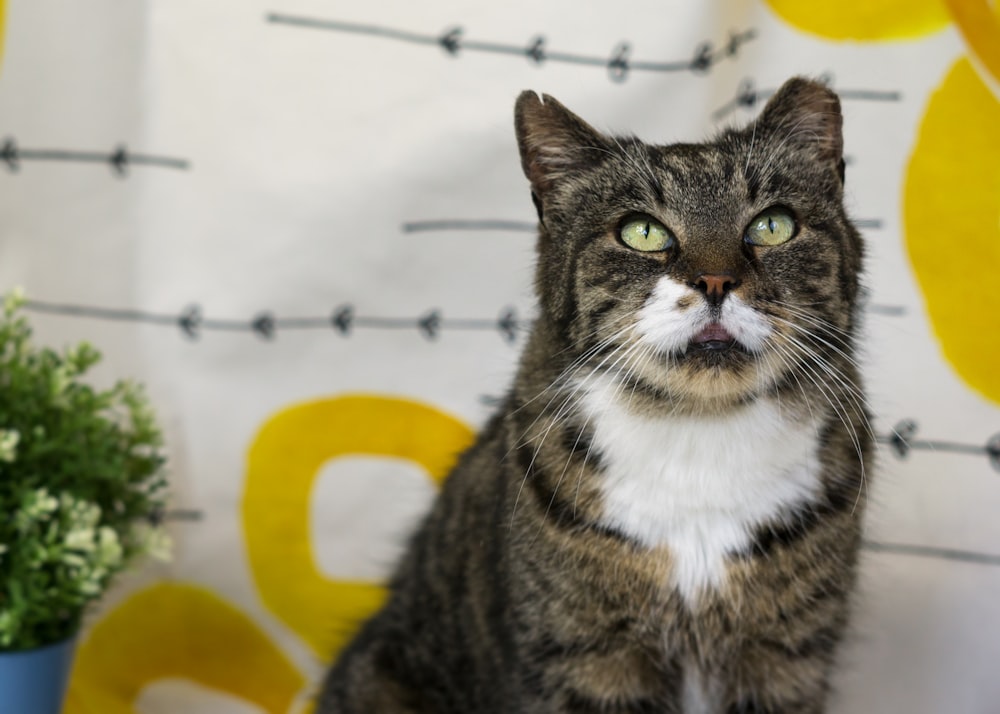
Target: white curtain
{"x": 303, "y": 225}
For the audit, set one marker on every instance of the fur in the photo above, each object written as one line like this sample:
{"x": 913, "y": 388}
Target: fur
{"x": 665, "y": 513}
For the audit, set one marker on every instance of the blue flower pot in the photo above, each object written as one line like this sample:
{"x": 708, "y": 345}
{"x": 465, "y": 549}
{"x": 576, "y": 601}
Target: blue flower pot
{"x": 34, "y": 681}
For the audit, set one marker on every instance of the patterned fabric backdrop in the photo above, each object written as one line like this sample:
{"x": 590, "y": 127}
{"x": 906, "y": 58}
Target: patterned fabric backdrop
{"x": 303, "y": 224}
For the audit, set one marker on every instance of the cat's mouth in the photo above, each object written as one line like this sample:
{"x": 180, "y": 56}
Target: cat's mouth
{"x": 712, "y": 338}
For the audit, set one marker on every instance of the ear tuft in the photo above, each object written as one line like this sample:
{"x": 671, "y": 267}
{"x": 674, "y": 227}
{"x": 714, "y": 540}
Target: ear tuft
{"x": 553, "y": 140}
{"x": 806, "y": 114}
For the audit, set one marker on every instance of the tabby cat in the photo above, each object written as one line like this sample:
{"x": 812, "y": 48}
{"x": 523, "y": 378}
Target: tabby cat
{"x": 665, "y": 514}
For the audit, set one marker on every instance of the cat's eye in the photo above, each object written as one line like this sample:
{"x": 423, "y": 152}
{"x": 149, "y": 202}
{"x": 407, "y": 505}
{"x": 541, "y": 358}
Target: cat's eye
{"x": 774, "y": 226}
{"x": 646, "y": 234}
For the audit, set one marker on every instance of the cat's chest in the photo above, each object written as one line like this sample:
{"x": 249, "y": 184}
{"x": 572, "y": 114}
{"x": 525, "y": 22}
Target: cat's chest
{"x": 699, "y": 487}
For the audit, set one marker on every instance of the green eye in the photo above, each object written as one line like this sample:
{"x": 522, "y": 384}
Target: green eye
{"x": 772, "y": 227}
{"x": 646, "y": 235}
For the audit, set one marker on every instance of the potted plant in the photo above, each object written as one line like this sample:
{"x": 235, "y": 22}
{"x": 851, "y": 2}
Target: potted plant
{"x": 82, "y": 492}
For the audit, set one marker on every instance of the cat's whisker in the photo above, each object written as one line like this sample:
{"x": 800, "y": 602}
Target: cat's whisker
{"x": 570, "y": 369}
{"x": 586, "y": 423}
{"x": 851, "y": 390}
{"x": 840, "y": 410}
{"x": 619, "y": 384}
{"x": 807, "y": 334}
{"x": 825, "y": 332}
{"x": 814, "y": 377}
{"x": 787, "y": 360}
{"x": 805, "y": 316}
{"x": 559, "y": 413}
{"x": 568, "y": 375}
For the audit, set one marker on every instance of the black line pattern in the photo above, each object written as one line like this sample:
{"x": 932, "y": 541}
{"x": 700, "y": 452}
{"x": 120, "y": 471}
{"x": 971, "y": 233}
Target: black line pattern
{"x": 902, "y": 440}
{"x": 888, "y": 310}
{"x": 748, "y": 96}
{"x": 453, "y": 41}
{"x": 459, "y": 224}
{"x": 266, "y": 325}
{"x": 926, "y": 551}
{"x": 188, "y": 515}
{"x": 119, "y": 158}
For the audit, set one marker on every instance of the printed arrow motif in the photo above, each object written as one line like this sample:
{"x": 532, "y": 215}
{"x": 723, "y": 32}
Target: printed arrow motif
{"x": 190, "y": 321}
{"x": 8, "y": 154}
{"x": 430, "y": 324}
{"x": 119, "y": 158}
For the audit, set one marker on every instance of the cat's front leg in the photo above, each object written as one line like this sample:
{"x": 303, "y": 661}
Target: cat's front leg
{"x": 785, "y": 679}
{"x": 751, "y": 706}
{"x": 358, "y": 687}
{"x": 597, "y": 677}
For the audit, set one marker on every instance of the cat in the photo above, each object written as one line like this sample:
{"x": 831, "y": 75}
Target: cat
{"x": 665, "y": 513}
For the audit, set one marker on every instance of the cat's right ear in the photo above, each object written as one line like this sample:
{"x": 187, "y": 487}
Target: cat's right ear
{"x": 806, "y": 114}
{"x": 554, "y": 142}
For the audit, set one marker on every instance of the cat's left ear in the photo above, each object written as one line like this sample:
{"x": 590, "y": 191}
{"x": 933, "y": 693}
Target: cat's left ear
{"x": 806, "y": 115}
{"x": 554, "y": 142}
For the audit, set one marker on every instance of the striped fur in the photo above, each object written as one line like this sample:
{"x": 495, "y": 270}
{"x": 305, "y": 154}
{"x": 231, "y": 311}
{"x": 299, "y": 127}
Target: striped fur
{"x": 648, "y": 525}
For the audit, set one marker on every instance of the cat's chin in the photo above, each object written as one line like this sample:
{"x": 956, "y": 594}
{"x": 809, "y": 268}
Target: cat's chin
{"x": 715, "y": 354}
{"x": 716, "y": 349}
{"x": 708, "y": 375}
{"x": 718, "y": 372}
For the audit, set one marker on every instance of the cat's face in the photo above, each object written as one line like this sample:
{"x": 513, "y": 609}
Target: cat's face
{"x": 701, "y": 272}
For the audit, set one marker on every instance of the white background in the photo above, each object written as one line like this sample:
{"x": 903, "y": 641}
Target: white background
{"x": 309, "y": 149}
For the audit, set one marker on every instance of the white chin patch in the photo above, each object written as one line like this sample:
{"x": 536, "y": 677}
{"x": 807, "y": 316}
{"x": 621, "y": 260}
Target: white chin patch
{"x": 664, "y": 324}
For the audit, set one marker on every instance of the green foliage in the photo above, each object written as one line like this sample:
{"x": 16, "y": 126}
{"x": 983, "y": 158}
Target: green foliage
{"x": 81, "y": 484}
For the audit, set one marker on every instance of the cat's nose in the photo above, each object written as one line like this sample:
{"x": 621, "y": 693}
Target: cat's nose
{"x": 715, "y": 287}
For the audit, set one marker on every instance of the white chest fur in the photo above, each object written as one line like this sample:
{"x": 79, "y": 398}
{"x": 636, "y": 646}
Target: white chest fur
{"x": 699, "y": 486}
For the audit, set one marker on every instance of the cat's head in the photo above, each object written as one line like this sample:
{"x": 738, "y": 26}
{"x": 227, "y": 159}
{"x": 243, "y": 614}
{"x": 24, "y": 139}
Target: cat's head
{"x": 706, "y": 273}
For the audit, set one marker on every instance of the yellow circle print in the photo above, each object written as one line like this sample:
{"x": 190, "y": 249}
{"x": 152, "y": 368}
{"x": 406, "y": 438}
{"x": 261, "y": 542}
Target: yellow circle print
{"x": 178, "y": 631}
{"x": 952, "y": 217}
{"x": 864, "y": 20}
{"x": 3, "y": 13}
{"x": 284, "y": 461}
{"x": 980, "y": 26}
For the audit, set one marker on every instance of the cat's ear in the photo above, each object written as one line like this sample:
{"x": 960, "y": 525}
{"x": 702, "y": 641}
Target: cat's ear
{"x": 554, "y": 142}
{"x": 806, "y": 114}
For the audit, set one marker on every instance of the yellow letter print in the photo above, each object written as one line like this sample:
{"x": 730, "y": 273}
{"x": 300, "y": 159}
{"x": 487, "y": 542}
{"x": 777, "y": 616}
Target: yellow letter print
{"x": 952, "y": 215}
{"x": 2, "y": 15}
{"x": 864, "y": 20}
{"x": 283, "y": 463}
{"x": 184, "y": 632}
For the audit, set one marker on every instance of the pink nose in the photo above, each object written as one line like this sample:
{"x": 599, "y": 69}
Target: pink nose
{"x": 715, "y": 287}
